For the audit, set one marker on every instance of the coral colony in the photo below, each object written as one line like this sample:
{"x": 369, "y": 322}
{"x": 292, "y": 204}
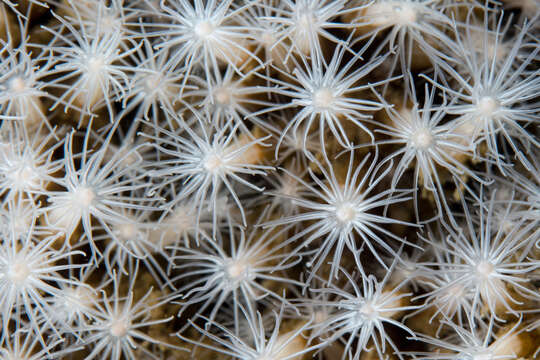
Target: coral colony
{"x": 269, "y": 179}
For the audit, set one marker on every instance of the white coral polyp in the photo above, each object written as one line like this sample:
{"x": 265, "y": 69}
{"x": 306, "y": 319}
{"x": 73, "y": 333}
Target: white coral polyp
{"x": 384, "y": 13}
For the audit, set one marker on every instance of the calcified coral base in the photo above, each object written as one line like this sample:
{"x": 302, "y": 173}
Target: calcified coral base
{"x": 269, "y": 179}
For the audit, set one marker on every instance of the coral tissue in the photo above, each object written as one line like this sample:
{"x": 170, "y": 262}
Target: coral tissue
{"x": 269, "y": 179}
